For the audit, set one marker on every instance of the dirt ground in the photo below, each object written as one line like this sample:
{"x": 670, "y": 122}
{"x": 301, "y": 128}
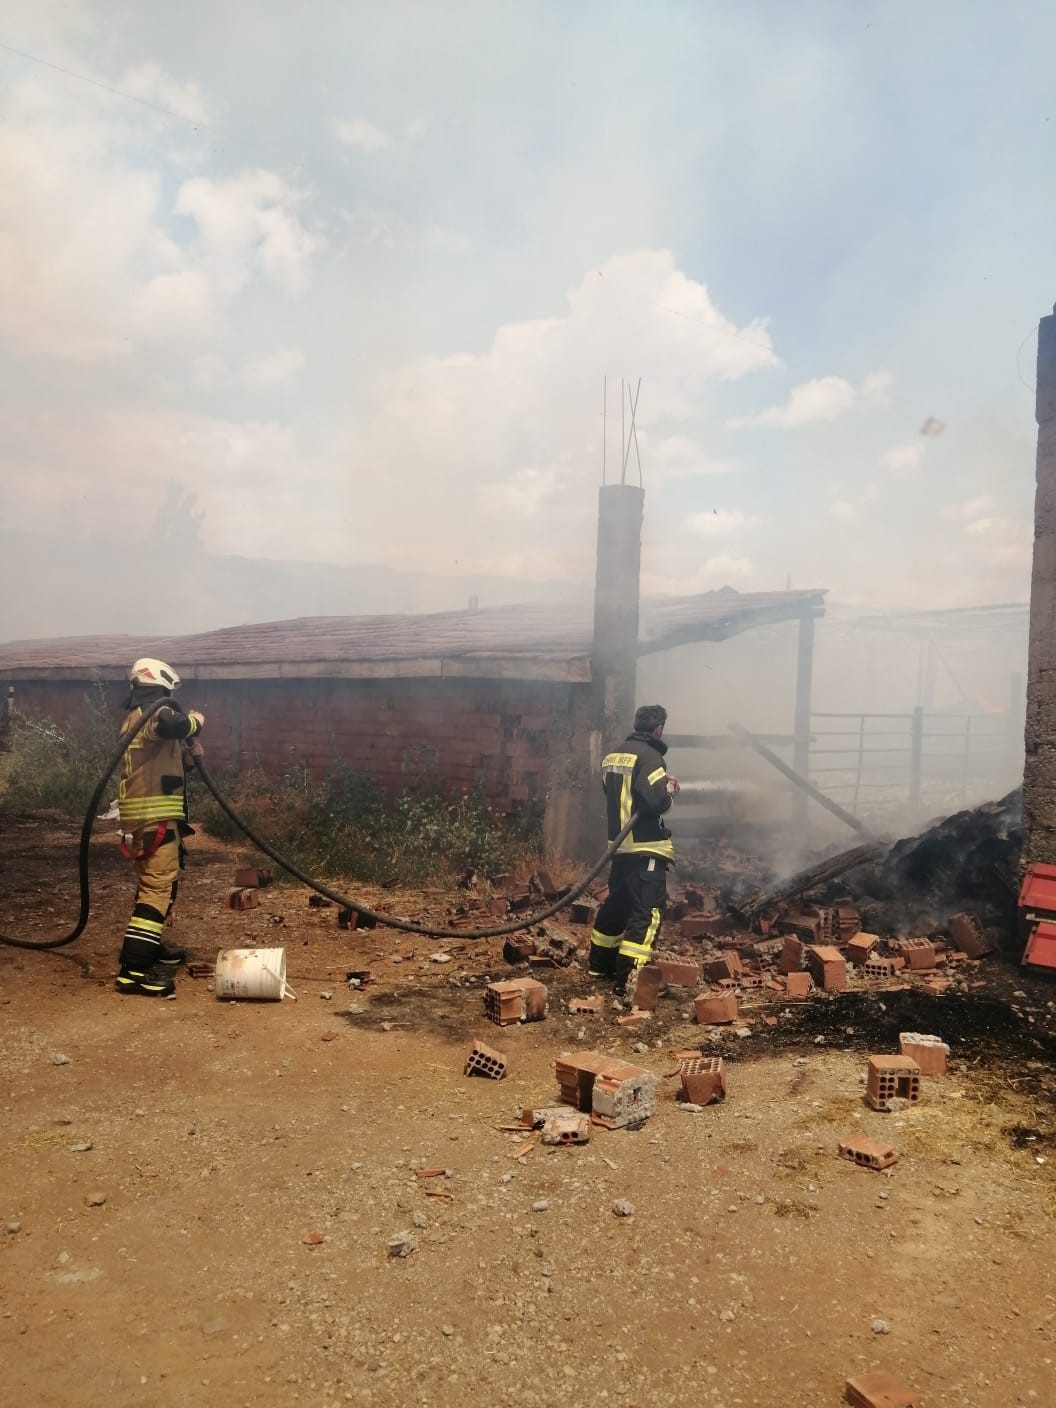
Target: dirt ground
{"x": 223, "y": 1236}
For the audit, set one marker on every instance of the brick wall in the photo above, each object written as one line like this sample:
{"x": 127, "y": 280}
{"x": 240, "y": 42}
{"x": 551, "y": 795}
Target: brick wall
{"x": 455, "y": 732}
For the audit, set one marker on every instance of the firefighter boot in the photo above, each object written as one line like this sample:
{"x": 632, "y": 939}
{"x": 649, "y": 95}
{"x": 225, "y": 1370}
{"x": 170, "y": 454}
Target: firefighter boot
{"x": 138, "y": 974}
{"x": 171, "y": 957}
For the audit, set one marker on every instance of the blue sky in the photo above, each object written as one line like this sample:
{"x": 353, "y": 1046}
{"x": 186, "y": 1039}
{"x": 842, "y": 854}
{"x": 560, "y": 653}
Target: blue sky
{"x": 357, "y": 287}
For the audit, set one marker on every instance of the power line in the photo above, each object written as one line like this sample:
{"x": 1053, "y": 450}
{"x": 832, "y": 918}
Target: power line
{"x": 107, "y": 87}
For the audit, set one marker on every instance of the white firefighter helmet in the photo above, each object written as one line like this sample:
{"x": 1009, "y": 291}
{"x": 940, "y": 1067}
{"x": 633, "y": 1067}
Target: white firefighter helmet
{"x": 152, "y": 673}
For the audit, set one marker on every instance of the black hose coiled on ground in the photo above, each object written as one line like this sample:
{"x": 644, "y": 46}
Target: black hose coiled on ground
{"x": 387, "y": 920}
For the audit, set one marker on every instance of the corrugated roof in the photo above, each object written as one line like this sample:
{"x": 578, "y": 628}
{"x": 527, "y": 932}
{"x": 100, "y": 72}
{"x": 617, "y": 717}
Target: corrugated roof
{"x": 527, "y": 635}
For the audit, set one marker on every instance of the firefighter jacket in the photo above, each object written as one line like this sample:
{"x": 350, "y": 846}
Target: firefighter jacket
{"x": 152, "y": 785}
{"x": 635, "y": 780}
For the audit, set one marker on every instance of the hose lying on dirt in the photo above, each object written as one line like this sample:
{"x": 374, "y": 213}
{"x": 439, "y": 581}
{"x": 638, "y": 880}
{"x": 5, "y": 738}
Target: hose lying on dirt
{"x": 406, "y": 925}
{"x": 388, "y": 920}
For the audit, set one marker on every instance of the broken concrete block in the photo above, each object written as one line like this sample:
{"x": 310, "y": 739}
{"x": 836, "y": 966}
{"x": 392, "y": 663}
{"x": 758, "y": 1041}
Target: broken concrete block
{"x": 515, "y": 1000}
{"x": 869, "y": 1153}
{"x": 485, "y": 1061}
{"x": 929, "y": 1052}
{"x": 891, "y": 1077}
{"x": 581, "y": 913}
{"x": 623, "y": 1102}
{"x": 586, "y": 1006}
{"x": 703, "y": 1080}
{"x": 564, "y": 1127}
{"x": 615, "y": 1093}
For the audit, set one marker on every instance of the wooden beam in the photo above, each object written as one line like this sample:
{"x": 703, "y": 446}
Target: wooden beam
{"x": 801, "y": 782}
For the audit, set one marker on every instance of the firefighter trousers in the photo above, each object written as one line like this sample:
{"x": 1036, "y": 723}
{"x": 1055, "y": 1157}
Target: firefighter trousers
{"x": 628, "y": 922}
{"x": 159, "y": 875}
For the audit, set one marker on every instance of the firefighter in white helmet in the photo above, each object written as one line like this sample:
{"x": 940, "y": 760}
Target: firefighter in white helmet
{"x": 152, "y": 803}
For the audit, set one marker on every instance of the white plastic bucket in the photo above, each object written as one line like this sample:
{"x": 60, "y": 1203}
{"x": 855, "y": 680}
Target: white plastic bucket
{"x": 258, "y": 973}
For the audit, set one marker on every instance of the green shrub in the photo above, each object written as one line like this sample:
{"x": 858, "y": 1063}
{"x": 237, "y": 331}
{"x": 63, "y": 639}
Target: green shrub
{"x": 56, "y": 767}
{"x": 343, "y": 825}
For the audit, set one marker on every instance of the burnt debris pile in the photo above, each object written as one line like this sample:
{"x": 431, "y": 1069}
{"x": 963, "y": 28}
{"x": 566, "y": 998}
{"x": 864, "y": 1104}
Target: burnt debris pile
{"x": 968, "y": 861}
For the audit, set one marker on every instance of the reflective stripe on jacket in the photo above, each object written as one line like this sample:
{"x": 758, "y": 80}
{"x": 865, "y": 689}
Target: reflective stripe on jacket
{"x": 635, "y": 780}
{"x": 151, "y": 788}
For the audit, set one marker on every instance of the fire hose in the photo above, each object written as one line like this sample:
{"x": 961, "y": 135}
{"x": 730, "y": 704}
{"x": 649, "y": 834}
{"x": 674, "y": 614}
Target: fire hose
{"x": 387, "y": 920}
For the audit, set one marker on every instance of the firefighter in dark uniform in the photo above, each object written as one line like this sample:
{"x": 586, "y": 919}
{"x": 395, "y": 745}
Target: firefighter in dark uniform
{"x": 635, "y": 780}
{"x": 152, "y": 802}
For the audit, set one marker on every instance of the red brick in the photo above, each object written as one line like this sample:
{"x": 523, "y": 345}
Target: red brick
{"x": 791, "y": 955}
{"x": 635, "y": 1018}
{"x": 891, "y": 1077}
{"x": 241, "y": 899}
{"x": 647, "y": 987}
{"x": 703, "y": 1080}
{"x": 697, "y": 928}
{"x": 714, "y": 1008}
{"x": 247, "y": 879}
{"x": 929, "y": 1052}
{"x": 879, "y": 1389}
{"x": 485, "y": 1060}
{"x": 919, "y": 954}
{"x": 828, "y": 967}
{"x": 860, "y": 947}
{"x": 969, "y": 936}
{"x": 798, "y": 984}
{"x": 516, "y": 1000}
{"x": 677, "y": 974}
{"x": 586, "y": 1006}
{"x": 728, "y": 967}
{"x": 869, "y": 1153}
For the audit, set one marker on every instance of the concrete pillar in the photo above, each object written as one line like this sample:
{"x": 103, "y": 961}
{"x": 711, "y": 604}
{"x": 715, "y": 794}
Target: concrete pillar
{"x": 1039, "y": 771}
{"x": 614, "y": 658}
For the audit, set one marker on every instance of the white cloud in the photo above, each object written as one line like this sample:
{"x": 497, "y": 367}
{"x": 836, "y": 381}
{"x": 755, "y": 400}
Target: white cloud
{"x": 150, "y": 82}
{"x": 903, "y": 461}
{"x": 445, "y": 241}
{"x": 822, "y": 399}
{"x": 363, "y": 135}
{"x": 722, "y": 570}
{"x": 843, "y": 510}
{"x": 512, "y": 435}
{"x": 681, "y": 457}
{"x": 721, "y": 523}
{"x": 971, "y": 510}
{"x": 276, "y": 367}
{"x": 249, "y": 224}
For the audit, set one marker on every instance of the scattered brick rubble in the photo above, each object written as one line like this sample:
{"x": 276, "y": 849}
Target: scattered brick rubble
{"x": 869, "y": 1153}
{"x": 891, "y": 1078}
{"x": 616, "y": 1094}
{"x": 515, "y": 1000}
{"x": 485, "y": 1060}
